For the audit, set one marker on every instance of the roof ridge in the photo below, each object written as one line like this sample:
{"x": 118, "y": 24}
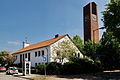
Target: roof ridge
{"x": 40, "y": 44}
{"x": 44, "y": 41}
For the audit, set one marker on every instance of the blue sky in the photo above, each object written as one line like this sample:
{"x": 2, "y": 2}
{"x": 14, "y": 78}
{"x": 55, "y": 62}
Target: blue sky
{"x": 40, "y": 20}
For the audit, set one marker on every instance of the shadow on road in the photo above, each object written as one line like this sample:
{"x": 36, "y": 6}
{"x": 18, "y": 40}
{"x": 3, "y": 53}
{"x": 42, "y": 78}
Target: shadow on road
{"x": 96, "y": 76}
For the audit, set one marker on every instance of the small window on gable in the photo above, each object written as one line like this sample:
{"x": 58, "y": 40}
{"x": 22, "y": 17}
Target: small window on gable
{"x": 78, "y": 54}
{"x": 35, "y": 54}
{"x": 58, "y": 53}
{"x": 75, "y": 55}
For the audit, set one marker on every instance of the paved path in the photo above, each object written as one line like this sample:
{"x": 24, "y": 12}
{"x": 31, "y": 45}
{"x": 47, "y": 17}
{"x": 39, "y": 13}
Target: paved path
{"x": 3, "y": 76}
{"x": 106, "y": 75}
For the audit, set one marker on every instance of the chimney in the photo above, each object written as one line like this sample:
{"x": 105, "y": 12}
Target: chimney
{"x": 57, "y": 35}
{"x": 25, "y": 44}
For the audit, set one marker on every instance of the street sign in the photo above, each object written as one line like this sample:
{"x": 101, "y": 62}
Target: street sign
{"x": 97, "y": 57}
{"x": 44, "y": 59}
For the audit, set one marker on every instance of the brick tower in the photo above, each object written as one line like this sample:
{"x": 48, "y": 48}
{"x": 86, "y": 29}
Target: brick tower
{"x": 91, "y": 22}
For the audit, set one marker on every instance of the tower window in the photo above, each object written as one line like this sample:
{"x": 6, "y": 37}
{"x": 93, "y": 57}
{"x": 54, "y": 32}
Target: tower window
{"x": 93, "y": 8}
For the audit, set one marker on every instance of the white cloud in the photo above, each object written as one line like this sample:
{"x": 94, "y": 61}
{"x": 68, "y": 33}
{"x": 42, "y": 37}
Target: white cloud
{"x": 13, "y": 42}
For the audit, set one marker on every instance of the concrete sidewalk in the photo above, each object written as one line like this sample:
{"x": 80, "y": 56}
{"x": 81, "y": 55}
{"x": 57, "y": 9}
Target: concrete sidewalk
{"x": 105, "y": 75}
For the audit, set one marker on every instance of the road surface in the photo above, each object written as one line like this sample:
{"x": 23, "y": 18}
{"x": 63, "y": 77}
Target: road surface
{"x": 3, "y": 76}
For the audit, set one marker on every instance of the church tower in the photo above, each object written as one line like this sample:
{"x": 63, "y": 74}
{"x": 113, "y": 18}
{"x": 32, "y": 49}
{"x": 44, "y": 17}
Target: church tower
{"x": 91, "y": 22}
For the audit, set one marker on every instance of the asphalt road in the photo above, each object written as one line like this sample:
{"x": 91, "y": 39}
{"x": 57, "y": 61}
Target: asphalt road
{"x": 3, "y": 76}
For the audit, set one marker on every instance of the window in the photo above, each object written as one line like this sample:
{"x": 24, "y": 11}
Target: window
{"x": 38, "y": 53}
{"x": 35, "y": 54}
{"x": 23, "y": 57}
{"x": 58, "y": 53}
{"x": 20, "y": 58}
{"x": 75, "y": 55}
{"x": 78, "y": 54}
{"x": 16, "y": 56}
{"x": 35, "y": 64}
{"x": 42, "y": 52}
{"x": 26, "y": 55}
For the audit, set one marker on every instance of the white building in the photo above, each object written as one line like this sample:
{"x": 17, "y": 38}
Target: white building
{"x": 42, "y": 52}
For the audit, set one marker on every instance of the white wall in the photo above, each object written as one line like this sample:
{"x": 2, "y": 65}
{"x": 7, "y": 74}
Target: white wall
{"x": 53, "y": 52}
{"x": 37, "y": 59}
{"x": 17, "y": 60}
{"x": 47, "y": 51}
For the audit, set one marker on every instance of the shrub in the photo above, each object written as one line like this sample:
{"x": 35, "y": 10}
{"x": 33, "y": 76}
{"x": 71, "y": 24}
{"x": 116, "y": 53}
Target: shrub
{"x": 77, "y": 66}
{"x": 19, "y": 69}
{"x": 53, "y": 68}
{"x": 40, "y": 69}
{"x": 33, "y": 70}
{"x": 71, "y": 68}
{"x": 87, "y": 64}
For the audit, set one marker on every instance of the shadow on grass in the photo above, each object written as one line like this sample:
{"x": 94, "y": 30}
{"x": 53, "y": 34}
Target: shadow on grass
{"x": 96, "y": 76}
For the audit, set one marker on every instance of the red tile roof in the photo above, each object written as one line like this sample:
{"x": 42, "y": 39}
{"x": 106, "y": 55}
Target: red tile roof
{"x": 39, "y": 45}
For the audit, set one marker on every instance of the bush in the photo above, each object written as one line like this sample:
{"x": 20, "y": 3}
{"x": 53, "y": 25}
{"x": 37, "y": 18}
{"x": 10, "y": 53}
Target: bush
{"x": 77, "y": 66}
{"x": 53, "y": 68}
{"x": 40, "y": 69}
{"x": 19, "y": 69}
{"x": 33, "y": 70}
{"x": 87, "y": 64}
{"x": 17, "y": 65}
{"x": 71, "y": 68}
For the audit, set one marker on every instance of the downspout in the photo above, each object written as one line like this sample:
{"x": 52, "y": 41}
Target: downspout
{"x": 47, "y": 55}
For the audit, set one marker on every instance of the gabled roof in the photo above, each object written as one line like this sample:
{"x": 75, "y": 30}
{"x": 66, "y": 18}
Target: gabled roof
{"x": 39, "y": 45}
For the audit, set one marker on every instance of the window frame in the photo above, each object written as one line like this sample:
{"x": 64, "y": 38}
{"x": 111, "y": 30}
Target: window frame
{"x": 39, "y": 53}
{"x": 43, "y": 52}
{"x": 35, "y": 53}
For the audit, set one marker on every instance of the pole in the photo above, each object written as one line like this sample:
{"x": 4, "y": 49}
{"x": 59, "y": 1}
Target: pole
{"x": 47, "y": 55}
{"x": 45, "y": 69}
{"x": 94, "y": 32}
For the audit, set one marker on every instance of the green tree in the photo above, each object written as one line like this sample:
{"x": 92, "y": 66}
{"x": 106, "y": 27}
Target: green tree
{"x": 65, "y": 49}
{"x": 111, "y": 18}
{"x": 78, "y": 42}
{"x": 6, "y": 58}
{"x": 109, "y": 51}
{"x": 110, "y": 42}
{"x": 40, "y": 68}
{"x": 90, "y": 48}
